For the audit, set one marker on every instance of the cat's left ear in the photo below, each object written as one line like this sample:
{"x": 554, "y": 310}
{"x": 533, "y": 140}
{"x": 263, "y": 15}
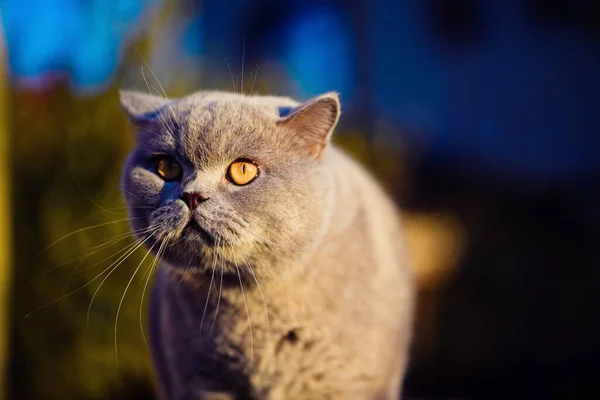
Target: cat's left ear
{"x": 141, "y": 107}
{"x": 313, "y": 122}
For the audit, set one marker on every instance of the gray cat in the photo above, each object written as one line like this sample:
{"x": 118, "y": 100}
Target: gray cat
{"x": 283, "y": 270}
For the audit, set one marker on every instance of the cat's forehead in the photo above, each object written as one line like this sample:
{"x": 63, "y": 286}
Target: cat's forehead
{"x": 224, "y": 106}
{"x": 220, "y": 115}
{"x": 210, "y": 130}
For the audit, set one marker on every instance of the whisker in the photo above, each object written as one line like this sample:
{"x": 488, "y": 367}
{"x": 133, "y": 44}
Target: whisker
{"x": 170, "y": 125}
{"x": 254, "y": 80}
{"x": 212, "y": 277}
{"x": 98, "y": 249}
{"x": 165, "y": 239}
{"x": 75, "y": 271}
{"x": 246, "y": 305}
{"x": 125, "y": 235}
{"x": 118, "y": 252}
{"x": 153, "y": 265}
{"x": 71, "y": 292}
{"x": 220, "y": 290}
{"x": 118, "y": 262}
{"x": 87, "y": 196}
{"x": 161, "y": 118}
{"x": 154, "y": 75}
{"x": 81, "y": 230}
{"x": 95, "y": 249}
{"x": 132, "y": 194}
{"x": 231, "y": 74}
{"x": 185, "y": 271}
{"x": 142, "y": 127}
{"x": 247, "y": 262}
{"x": 243, "y": 56}
{"x": 112, "y": 210}
{"x": 161, "y": 88}
{"x": 123, "y": 298}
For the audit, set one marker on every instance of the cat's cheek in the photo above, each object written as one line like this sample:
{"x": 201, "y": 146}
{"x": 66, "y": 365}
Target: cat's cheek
{"x": 170, "y": 186}
{"x": 142, "y": 179}
{"x": 142, "y": 191}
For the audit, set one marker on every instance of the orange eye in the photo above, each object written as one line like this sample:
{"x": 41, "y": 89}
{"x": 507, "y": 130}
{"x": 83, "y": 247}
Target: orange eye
{"x": 242, "y": 172}
{"x": 168, "y": 169}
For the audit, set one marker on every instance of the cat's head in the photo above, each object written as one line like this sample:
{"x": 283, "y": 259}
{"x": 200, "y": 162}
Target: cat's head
{"x": 218, "y": 180}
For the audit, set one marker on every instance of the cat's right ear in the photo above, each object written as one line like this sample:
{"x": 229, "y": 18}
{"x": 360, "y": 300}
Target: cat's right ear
{"x": 313, "y": 122}
{"x": 141, "y": 108}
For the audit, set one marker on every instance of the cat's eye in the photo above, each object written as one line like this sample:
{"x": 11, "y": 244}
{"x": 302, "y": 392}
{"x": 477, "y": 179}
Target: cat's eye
{"x": 168, "y": 169}
{"x": 242, "y": 172}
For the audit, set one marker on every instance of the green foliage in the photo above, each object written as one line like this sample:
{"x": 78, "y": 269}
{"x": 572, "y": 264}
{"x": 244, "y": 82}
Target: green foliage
{"x": 67, "y": 159}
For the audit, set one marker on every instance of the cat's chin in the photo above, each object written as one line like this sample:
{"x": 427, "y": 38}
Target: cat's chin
{"x": 194, "y": 232}
{"x": 226, "y": 278}
{"x": 193, "y": 265}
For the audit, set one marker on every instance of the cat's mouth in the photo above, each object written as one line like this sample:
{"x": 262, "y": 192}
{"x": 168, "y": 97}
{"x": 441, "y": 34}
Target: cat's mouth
{"x": 196, "y": 231}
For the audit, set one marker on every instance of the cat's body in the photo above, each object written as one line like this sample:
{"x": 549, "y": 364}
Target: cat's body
{"x": 332, "y": 316}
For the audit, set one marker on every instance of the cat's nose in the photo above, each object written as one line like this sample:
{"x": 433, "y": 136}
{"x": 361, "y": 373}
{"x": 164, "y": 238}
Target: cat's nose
{"x": 193, "y": 199}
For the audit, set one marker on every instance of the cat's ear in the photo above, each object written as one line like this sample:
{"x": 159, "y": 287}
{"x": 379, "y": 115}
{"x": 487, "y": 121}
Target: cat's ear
{"x": 313, "y": 122}
{"x": 141, "y": 107}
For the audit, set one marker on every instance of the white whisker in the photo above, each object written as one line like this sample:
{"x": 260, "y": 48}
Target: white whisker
{"x": 185, "y": 271}
{"x": 117, "y": 262}
{"x": 82, "y": 230}
{"x": 75, "y": 290}
{"x": 243, "y": 56}
{"x": 123, "y": 298}
{"x": 96, "y": 250}
{"x": 75, "y": 272}
{"x": 152, "y": 267}
{"x": 212, "y": 277}
{"x": 220, "y": 290}
{"x": 254, "y": 80}
{"x": 164, "y": 93}
{"x": 247, "y": 262}
{"x": 231, "y": 74}
{"x": 245, "y": 304}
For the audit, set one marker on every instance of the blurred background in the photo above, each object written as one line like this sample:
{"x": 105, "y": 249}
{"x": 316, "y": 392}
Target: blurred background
{"x": 481, "y": 118}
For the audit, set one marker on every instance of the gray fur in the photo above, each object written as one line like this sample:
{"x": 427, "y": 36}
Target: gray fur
{"x": 313, "y": 241}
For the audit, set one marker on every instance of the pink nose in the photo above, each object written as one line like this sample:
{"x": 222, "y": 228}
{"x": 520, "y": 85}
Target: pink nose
{"x": 194, "y": 199}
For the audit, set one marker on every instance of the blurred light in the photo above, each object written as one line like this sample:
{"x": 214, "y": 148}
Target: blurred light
{"x": 80, "y": 39}
{"x": 318, "y": 52}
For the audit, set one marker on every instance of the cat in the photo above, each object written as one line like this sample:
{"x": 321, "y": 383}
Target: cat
{"x": 283, "y": 272}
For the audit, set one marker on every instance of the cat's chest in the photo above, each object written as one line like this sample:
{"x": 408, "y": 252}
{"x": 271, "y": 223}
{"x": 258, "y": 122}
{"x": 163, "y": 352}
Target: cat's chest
{"x": 263, "y": 347}
{"x": 275, "y": 363}
{"x": 259, "y": 327}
